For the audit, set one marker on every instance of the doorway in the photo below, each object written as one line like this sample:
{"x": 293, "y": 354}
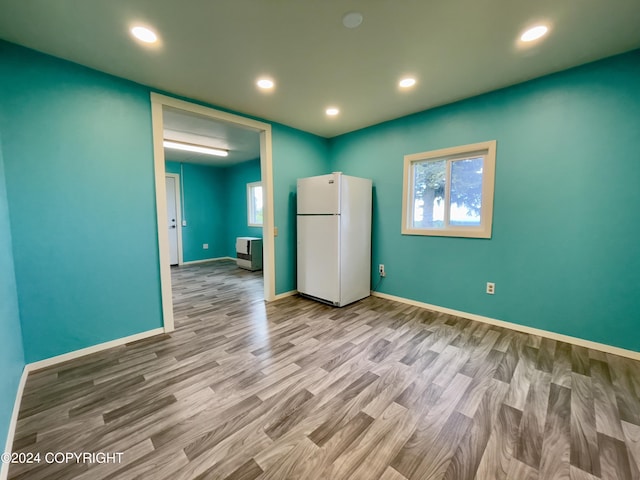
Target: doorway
{"x": 158, "y": 104}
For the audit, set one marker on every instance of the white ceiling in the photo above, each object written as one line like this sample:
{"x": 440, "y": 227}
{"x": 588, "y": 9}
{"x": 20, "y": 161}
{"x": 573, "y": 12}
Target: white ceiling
{"x": 242, "y": 143}
{"x": 214, "y": 51}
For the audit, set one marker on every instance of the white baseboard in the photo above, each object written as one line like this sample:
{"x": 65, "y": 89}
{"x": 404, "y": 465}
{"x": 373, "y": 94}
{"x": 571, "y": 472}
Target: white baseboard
{"x": 192, "y": 262}
{"x": 603, "y": 347}
{"x": 290, "y": 293}
{"x": 47, "y": 362}
{"x": 4, "y": 467}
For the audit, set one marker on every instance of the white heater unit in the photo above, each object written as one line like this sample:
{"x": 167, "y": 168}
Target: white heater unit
{"x": 249, "y": 253}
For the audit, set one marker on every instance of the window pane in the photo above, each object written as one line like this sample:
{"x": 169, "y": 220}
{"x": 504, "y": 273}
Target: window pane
{"x": 449, "y": 192}
{"x": 429, "y": 180}
{"x": 466, "y": 191}
{"x": 255, "y": 204}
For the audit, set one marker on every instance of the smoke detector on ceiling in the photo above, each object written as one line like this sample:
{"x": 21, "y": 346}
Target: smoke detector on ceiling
{"x": 352, "y": 19}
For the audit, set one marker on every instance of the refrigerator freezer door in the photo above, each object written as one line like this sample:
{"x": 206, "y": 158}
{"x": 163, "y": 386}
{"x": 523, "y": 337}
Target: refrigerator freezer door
{"x": 319, "y": 257}
{"x": 319, "y": 195}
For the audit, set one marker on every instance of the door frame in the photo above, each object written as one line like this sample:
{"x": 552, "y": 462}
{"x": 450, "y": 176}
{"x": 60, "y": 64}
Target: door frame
{"x": 158, "y": 102}
{"x": 178, "y": 200}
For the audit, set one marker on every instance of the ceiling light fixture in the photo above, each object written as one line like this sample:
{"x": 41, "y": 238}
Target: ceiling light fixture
{"x": 332, "y": 111}
{"x": 265, "y": 83}
{"x": 188, "y": 147}
{"x": 144, "y": 34}
{"x": 352, "y": 19}
{"x": 534, "y": 33}
{"x": 407, "y": 82}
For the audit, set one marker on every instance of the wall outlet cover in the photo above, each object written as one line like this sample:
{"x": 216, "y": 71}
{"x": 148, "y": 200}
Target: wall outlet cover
{"x": 381, "y": 270}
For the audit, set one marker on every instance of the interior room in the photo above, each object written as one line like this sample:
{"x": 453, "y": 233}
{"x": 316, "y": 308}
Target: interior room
{"x": 494, "y": 332}
{"x": 214, "y": 193}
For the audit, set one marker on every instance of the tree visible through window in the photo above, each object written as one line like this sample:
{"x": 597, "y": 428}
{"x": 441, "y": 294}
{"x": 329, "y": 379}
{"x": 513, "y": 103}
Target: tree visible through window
{"x": 450, "y": 192}
{"x": 254, "y": 204}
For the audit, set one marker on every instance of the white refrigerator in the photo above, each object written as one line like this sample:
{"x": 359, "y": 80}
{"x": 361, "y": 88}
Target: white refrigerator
{"x": 334, "y": 238}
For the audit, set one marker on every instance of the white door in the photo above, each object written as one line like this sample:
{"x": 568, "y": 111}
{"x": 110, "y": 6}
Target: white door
{"x": 319, "y": 256}
{"x": 319, "y": 195}
{"x": 172, "y": 219}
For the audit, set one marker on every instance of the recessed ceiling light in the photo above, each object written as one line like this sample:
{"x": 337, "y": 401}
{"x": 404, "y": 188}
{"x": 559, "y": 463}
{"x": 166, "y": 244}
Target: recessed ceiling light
{"x": 188, "y": 147}
{"x": 332, "y": 111}
{"x": 407, "y": 82}
{"x": 144, "y": 34}
{"x": 352, "y": 19}
{"x": 534, "y": 33}
{"x": 265, "y": 83}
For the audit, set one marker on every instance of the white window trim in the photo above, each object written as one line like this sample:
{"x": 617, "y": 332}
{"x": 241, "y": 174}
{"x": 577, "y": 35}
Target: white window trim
{"x": 250, "y": 203}
{"x": 488, "y": 149}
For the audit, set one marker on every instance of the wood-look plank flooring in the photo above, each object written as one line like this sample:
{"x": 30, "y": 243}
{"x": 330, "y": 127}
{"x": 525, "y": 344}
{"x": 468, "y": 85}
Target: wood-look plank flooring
{"x": 299, "y": 390}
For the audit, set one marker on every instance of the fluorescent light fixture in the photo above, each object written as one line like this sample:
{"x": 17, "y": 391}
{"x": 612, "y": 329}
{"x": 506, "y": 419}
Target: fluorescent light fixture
{"x": 265, "y": 83}
{"x": 534, "y": 33}
{"x": 332, "y": 111}
{"x": 195, "y": 148}
{"x": 407, "y": 82}
{"x": 144, "y": 34}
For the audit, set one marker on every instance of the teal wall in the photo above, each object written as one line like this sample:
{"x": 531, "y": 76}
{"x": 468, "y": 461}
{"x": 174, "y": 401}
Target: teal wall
{"x": 237, "y": 220}
{"x": 79, "y": 174}
{"x": 564, "y": 253}
{"x": 80, "y": 193}
{"x": 80, "y": 187}
{"x": 295, "y": 155}
{"x": 215, "y": 206}
{"x": 11, "y": 353}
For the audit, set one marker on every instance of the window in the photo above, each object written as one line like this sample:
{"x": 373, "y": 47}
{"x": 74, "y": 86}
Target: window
{"x": 449, "y": 192}
{"x": 254, "y": 204}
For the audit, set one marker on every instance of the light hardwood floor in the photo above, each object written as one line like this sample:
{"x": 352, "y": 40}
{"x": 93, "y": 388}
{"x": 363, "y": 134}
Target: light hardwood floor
{"x": 299, "y": 390}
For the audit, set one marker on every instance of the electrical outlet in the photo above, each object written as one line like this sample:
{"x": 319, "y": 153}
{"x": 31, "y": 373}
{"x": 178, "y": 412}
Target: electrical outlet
{"x": 205, "y": 246}
{"x": 491, "y": 288}
{"x": 381, "y": 270}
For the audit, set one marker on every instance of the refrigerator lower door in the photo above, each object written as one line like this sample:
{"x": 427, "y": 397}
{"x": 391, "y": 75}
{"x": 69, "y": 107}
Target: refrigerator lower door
{"x": 319, "y": 257}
